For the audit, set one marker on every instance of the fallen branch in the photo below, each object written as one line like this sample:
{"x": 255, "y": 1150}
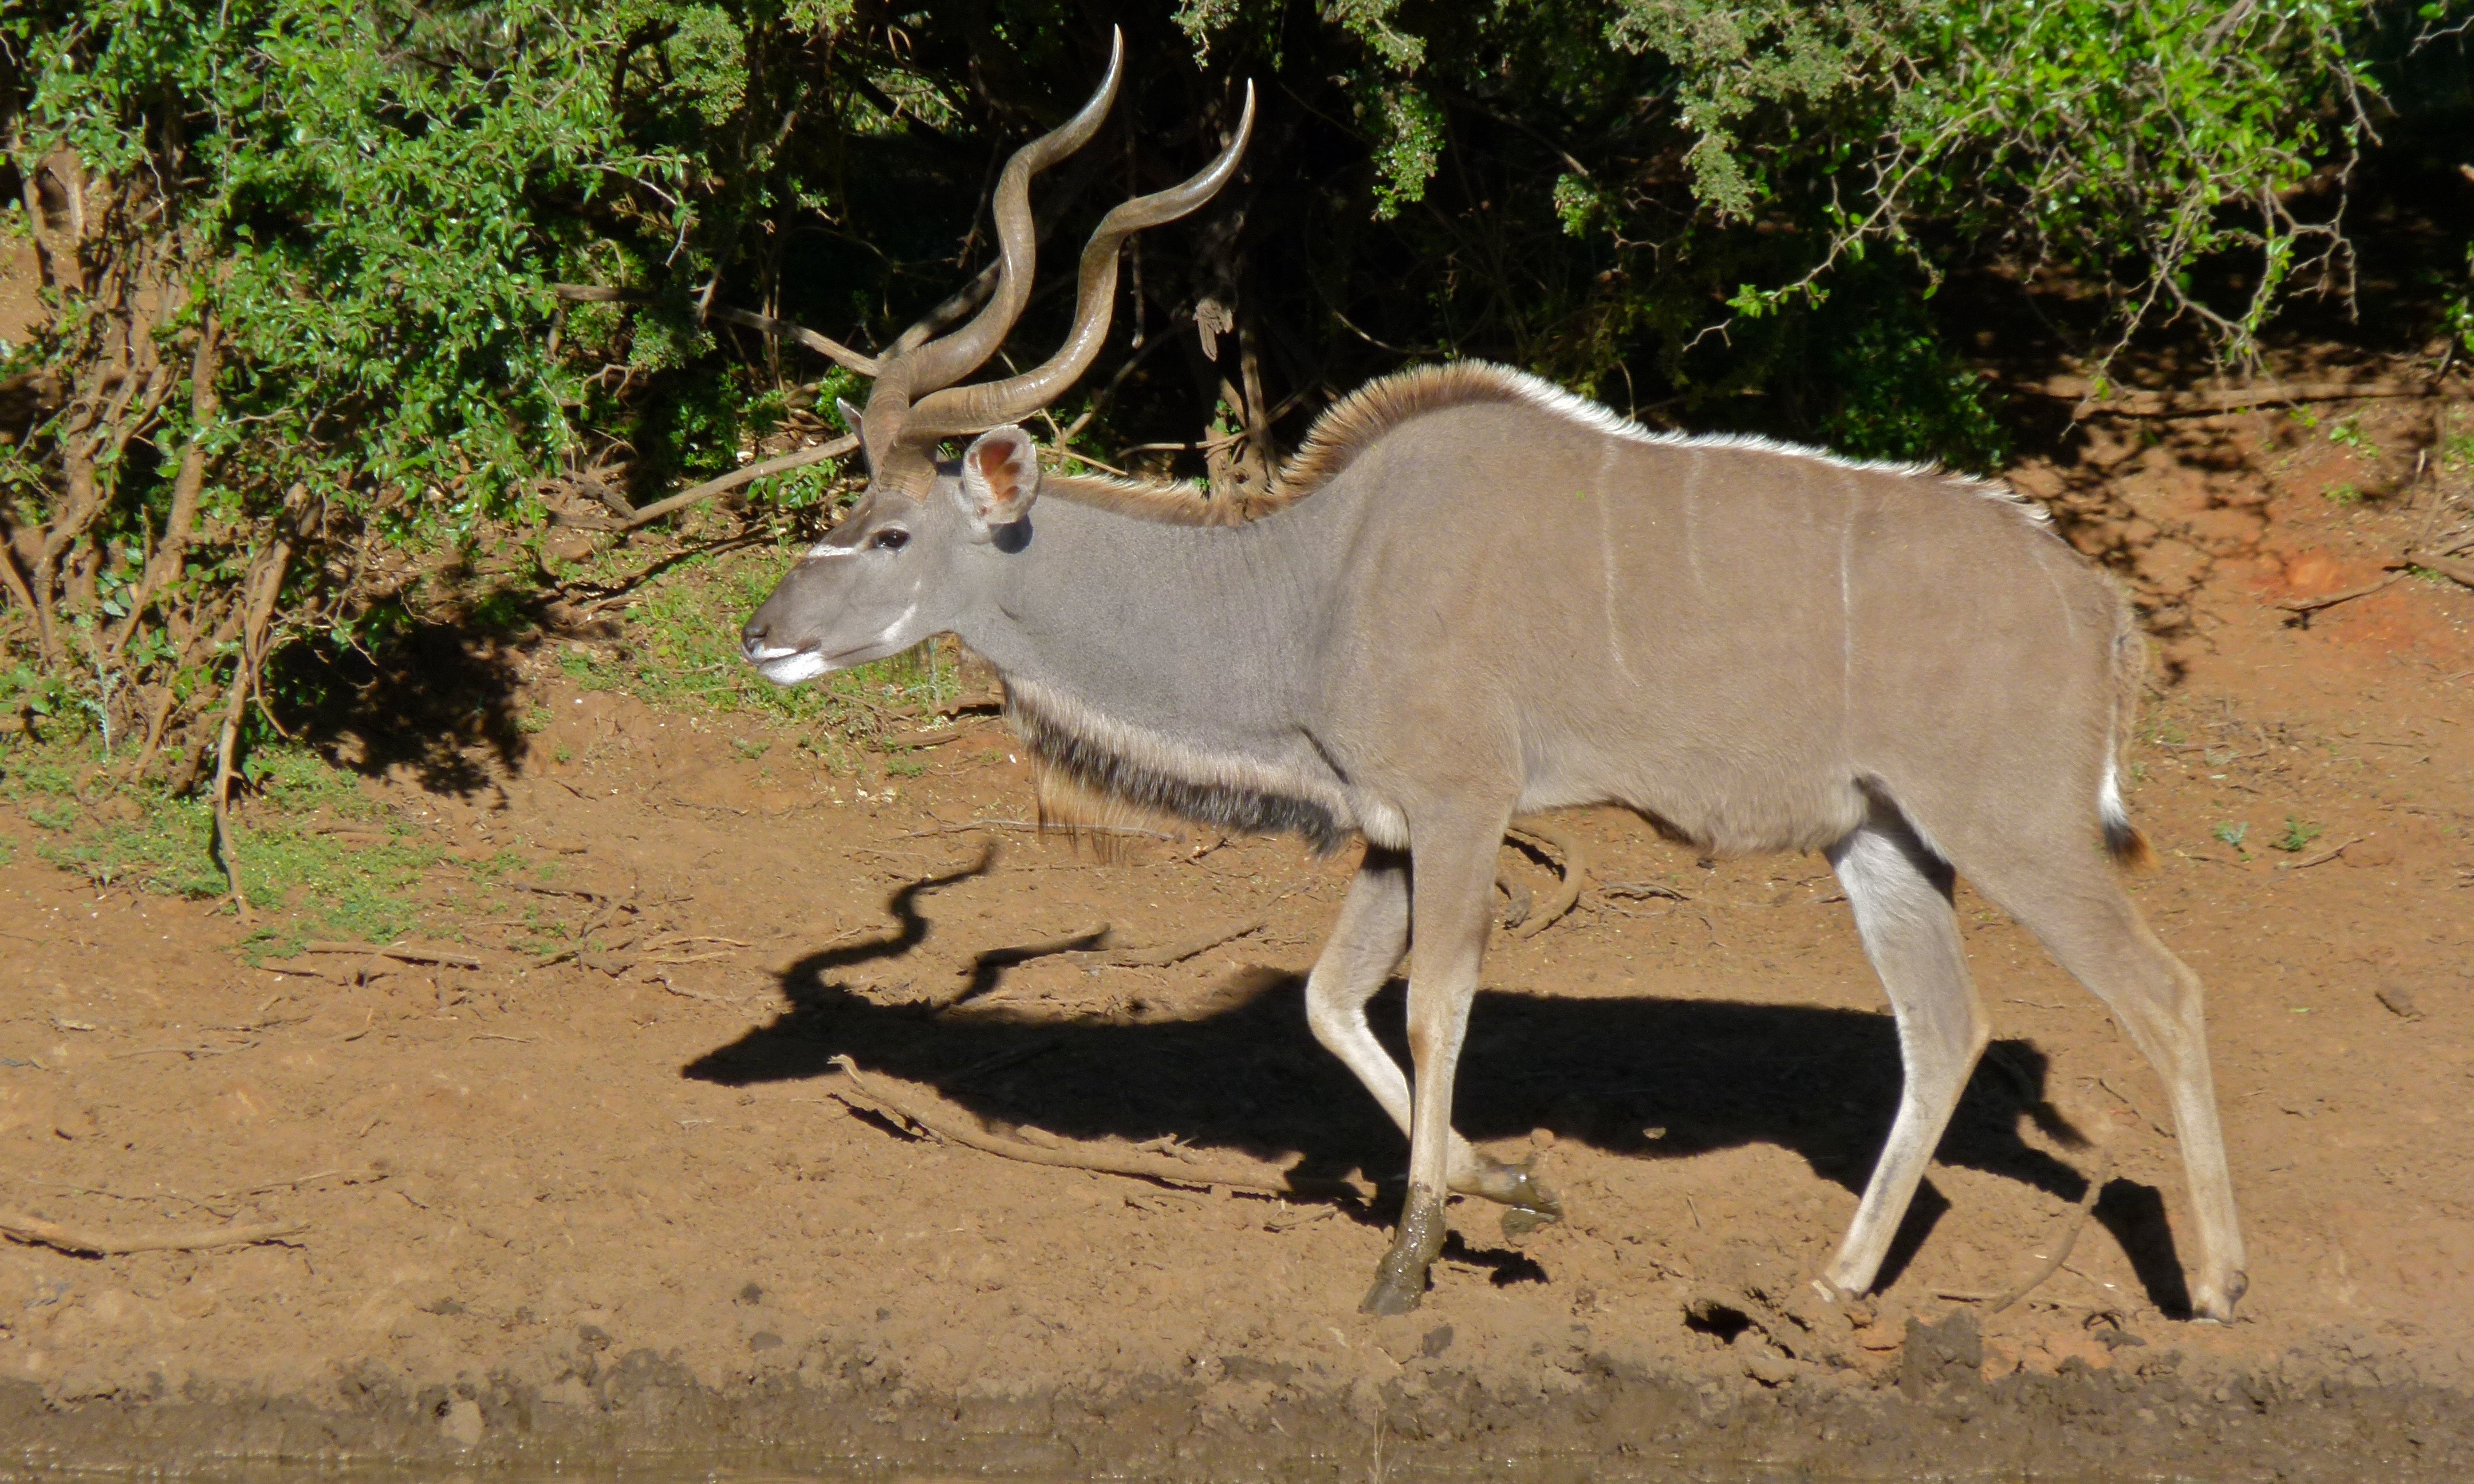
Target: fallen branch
{"x": 2061, "y": 1252}
{"x": 1037, "y": 829}
{"x": 688, "y": 958}
{"x": 747, "y": 475}
{"x": 586, "y": 893}
{"x": 1641, "y": 891}
{"x": 401, "y": 953}
{"x": 1576, "y": 867}
{"x": 663, "y": 980}
{"x": 2309, "y": 606}
{"x": 1175, "y": 953}
{"x": 36, "y": 1231}
{"x": 350, "y": 1177}
{"x": 868, "y": 1096}
{"x": 2322, "y": 857}
{"x": 2453, "y": 568}
{"x": 190, "y": 1053}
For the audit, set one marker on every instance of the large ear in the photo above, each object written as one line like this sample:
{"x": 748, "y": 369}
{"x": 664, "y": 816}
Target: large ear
{"x": 1000, "y": 479}
{"x": 851, "y": 417}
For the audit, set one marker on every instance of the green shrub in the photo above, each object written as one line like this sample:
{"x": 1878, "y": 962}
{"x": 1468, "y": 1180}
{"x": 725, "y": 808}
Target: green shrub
{"x": 305, "y": 369}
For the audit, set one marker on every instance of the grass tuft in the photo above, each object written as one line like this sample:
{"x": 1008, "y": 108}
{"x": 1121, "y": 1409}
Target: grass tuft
{"x": 323, "y": 885}
{"x": 2298, "y": 835}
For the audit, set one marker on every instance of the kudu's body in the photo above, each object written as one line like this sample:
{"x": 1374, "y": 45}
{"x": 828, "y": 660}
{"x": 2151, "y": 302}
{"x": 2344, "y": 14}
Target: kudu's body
{"x": 1478, "y": 596}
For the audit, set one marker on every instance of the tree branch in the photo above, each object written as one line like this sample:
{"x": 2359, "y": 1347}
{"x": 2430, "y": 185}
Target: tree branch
{"x": 823, "y": 344}
{"x": 829, "y": 348}
{"x": 746, "y": 475}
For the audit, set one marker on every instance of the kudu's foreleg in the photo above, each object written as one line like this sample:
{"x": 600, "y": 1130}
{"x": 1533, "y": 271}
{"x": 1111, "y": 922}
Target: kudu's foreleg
{"x": 1451, "y": 897}
{"x": 1900, "y": 892}
{"x": 1365, "y": 945}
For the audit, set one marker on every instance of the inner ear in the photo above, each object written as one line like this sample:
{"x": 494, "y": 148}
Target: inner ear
{"x": 1000, "y": 477}
{"x": 994, "y": 464}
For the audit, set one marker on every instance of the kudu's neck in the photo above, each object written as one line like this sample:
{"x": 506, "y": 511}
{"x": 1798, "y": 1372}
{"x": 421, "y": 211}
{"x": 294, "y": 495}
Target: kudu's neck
{"x": 1161, "y": 626}
{"x": 1171, "y": 664}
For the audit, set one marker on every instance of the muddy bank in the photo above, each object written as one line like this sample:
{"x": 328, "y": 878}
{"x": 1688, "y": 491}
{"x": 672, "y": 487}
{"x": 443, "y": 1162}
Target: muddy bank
{"x": 836, "y": 1408}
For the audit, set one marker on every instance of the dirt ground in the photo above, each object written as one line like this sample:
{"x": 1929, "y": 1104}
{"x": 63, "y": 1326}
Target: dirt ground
{"x": 615, "y": 1201}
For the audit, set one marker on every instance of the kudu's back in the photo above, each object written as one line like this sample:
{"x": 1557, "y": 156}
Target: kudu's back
{"x": 1742, "y": 640}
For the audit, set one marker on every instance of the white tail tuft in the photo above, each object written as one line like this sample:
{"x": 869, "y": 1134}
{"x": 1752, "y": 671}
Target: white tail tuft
{"x": 2123, "y": 839}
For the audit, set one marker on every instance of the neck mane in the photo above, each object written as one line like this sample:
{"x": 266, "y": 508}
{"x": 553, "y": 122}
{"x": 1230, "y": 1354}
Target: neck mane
{"x": 1355, "y": 423}
{"x": 1346, "y": 429}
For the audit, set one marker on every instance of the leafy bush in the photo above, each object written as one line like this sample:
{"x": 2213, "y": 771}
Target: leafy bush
{"x": 343, "y": 297}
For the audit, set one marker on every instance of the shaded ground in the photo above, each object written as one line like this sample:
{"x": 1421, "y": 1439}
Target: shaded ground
{"x": 591, "y": 1188}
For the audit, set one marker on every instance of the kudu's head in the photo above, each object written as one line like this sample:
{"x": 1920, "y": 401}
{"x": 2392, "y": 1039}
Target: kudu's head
{"x": 900, "y": 564}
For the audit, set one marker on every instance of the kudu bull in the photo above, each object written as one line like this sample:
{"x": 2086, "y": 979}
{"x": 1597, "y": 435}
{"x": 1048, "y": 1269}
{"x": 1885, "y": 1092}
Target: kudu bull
{"x": 1471, "y": 595}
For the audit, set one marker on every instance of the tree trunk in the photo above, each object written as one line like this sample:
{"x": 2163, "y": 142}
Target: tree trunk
{"x": 164, "y": 567}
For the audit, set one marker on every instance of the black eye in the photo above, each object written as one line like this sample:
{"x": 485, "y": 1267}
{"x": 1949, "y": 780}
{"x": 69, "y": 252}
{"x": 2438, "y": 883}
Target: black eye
{"x": 892, "y": 539}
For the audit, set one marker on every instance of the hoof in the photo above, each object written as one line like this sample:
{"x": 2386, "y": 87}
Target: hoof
{"x": 1400, "y": 1280}
{"x": 2217, "y": 1308}
{"x": 1393, "y": 1293}
{"x": 1530, "y": 1194}
{"x": 1518, "y": 1186}
{"x": 1519, "y": 1221}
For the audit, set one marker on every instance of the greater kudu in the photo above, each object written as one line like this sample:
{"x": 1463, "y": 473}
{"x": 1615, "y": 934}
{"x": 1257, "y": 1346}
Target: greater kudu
{"x": 1473, "y": 594}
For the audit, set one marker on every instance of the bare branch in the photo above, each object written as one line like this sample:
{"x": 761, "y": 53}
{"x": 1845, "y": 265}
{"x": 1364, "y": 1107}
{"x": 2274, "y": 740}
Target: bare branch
{"x": 829, "y": 348}
{"x": 35, "y": 1231}
{"x": 871, "y": 1096}
{"x": 823, "y": 344}
{"x": 748, "y": 475}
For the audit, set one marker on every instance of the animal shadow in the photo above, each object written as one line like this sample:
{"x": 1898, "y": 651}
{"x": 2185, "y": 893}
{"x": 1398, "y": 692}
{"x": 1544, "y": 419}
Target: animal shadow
{"x": 1641, "y": 1075}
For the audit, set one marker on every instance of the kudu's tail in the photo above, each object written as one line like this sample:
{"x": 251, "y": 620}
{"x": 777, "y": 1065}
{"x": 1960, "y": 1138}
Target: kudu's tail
{"x": 2122, "y": 841}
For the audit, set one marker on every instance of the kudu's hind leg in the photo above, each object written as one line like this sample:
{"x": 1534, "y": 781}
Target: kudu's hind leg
{"x": 1452, "y": 893}
{"x": 1364, "y": 948}
{"x": 1900, "y": 892}
{"x": 2071, "y": 899}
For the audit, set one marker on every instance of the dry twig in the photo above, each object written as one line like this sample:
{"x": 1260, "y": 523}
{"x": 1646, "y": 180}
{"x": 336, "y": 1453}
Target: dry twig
{"x": 2305, "y": 607}
{"x": 1641, "y": 891}
{"x": 1576, "y": 869}
{"x": 2061, "y": 1252}
{"x": 33, "y": 1231}
{"x": 2322, "y": 857}
{"x": 1172, "y": 954}
{"x": 869, "y": 1096}
{"x": 1038, "y": 828}
{"x": 350, "y": 1177}
{"x": 401, "y": 952}
{"x": 2453, "y": 568}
